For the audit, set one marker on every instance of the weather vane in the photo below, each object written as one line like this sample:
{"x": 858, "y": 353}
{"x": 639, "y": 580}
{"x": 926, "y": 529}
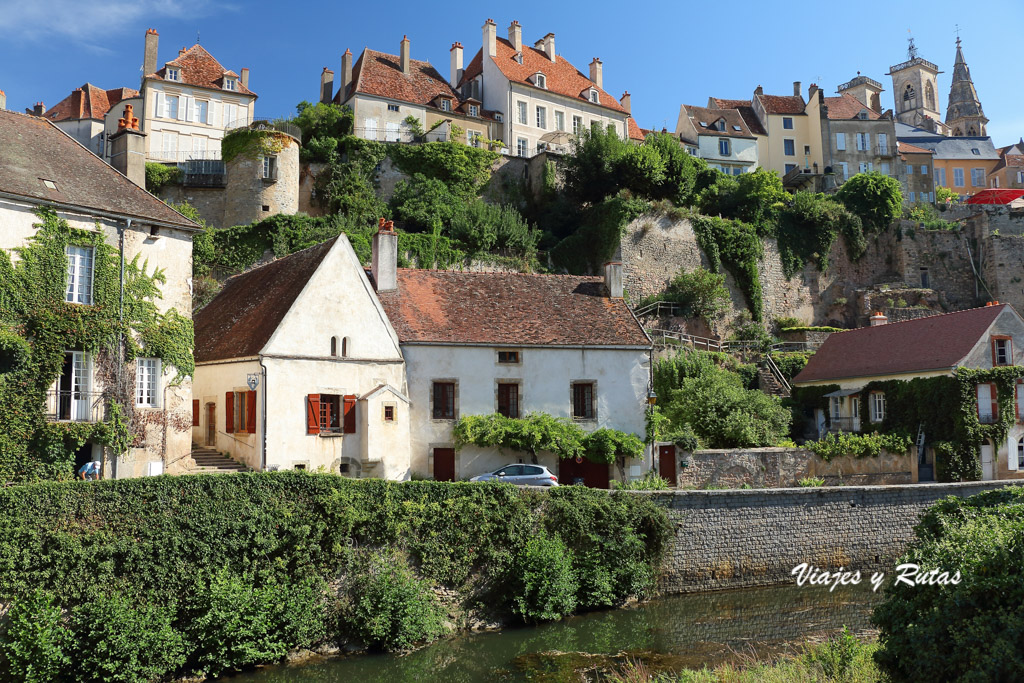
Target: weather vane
{"x": 911, "y": 48}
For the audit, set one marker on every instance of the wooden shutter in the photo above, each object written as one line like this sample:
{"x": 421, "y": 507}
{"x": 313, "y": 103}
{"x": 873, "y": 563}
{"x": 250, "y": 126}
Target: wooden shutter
{"x": 313, "y": 414}
{"x": 349, "y": 412}
{"x": 161, "y": 105}
{"x": 1011, "y": 453}
{"x": 195, "y": 412}
{"x": 250, "y": 412}
{"x": 229, "y": 412}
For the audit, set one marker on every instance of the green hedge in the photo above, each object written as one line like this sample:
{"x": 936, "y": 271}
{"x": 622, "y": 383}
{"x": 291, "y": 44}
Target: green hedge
{"x": 172, "y": 557}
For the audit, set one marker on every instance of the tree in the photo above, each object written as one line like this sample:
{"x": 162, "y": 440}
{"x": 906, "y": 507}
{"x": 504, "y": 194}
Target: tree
{"x": 322, "y": 125}
{"x": 808, "y": 227}
{"x": 591, "y": 170}
{"x": 699, "y": 292}
{"x": 755, "y": 198}
{"x": 876, "y": 198}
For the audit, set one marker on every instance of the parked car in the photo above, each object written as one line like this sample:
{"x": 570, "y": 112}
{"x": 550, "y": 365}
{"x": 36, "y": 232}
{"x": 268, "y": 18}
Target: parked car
{"x": 522, "y": 475}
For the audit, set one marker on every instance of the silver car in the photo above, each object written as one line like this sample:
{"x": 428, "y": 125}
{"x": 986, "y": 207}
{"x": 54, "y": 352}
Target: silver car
{"x": 522, "y": 475}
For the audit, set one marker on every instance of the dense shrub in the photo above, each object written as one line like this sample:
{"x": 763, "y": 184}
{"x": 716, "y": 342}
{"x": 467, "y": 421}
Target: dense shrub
{"x": 34, "y": 644}
{"x": 480, "y": 227}
{"x": 699, "y": 293}
{"x": 754, "y": 198}
{"x": 159, "y": 175}
{"x": 972, "y": 631}
{"x": 736, "y": 246}
{"x": 323, "y": 125}
{"x": 876, "y": 198}
{"x": 808, "y": 226}
{"x": 859, "y": 445}
{"x": 544, "y": 586}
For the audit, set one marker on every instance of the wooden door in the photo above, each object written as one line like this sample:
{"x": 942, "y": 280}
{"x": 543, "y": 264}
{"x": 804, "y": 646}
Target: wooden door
{"x": 444, "y": 464}
{"x": 592, "y": 474}
{"x": 667, "y": 463}
{"x": 211, "y": 425}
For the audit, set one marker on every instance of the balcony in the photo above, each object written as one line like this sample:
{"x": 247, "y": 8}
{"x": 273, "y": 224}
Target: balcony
{"x": 74, "y": 406}
{"x": 174, "y": 156}
{"x": 203, "y": 173}
{"x": 885, "y": 150}
{"x": 844, "y": 424}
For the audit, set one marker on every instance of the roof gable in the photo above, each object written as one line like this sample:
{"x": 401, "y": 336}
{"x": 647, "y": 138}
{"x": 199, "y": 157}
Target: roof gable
{"x": 380, "y": 74}
{"x": 782, "y": 104}
{"x": 200, "y": 69}
{"x": 746, "y": 110}
{"x": 846, "y": 106}
{"x": 88, "y": 102}
{"x": 732, "y": 120}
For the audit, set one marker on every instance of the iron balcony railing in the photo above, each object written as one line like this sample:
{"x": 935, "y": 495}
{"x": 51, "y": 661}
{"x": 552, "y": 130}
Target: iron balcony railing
{"x": 184, "y": 156}
{"x": 844, "y": 424}
{"x": 203, "y": 173}
{"x": 74, "y": 406}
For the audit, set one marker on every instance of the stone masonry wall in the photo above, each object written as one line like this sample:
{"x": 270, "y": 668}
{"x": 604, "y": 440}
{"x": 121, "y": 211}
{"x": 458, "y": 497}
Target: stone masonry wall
{"x": 737, "y": 538}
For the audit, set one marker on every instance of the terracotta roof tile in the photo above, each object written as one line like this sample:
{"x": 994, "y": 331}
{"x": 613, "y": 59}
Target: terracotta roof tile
{"x": 732, "y": 118}
{"x": 937, "y": 342}
{"x": 783, "y": 104}
{"x": 240, "y": 320}
{"x": 380, "y": 74}
{"x": 635, "y": 131}
{"x": 846, "y": 106}
{"x": 745, "y": 109}
{"x": 907, "y": 148}
{"x": 561, "y": 77}
{"x": 200, "y": 69}
{"x": 88, "y": 102}
{"x": 33, "y": 149}
{"x": 508, "y": 309}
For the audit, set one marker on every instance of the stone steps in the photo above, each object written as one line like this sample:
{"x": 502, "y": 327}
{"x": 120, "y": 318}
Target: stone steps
{"x": 208, "y": 460}
{"x": 769, "y": 383}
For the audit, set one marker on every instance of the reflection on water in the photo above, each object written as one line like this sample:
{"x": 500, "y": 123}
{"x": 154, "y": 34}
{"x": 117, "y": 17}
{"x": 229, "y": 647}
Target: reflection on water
{"x": 683, "y": 631}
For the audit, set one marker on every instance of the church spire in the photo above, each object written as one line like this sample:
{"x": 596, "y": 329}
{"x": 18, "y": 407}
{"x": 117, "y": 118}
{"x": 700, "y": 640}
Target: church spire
{"x": 964, "y": 115}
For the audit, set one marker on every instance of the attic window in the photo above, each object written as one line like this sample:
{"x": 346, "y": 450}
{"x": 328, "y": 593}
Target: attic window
{"x": 446, "y": 105}
{"x": 229, "y": 84}
{"x": 975, "y": 150}
{"x": 721, "y": 125}
{"x": 541, "y": 81}
{"x": 50, "y": 185}
{"x": 498, "y": 117}
{"x": 737, "y": 128}
{"x": 593, "y": 96}
{"x": 703, "y": 124}
{"x": 474, "y": 110}
{"x": 173, "y": 74}
{"x": 519, "y": 57}
{"x": 863, "y": 116}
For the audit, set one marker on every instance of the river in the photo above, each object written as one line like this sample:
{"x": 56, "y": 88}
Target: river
{"x": 670, "y": 633}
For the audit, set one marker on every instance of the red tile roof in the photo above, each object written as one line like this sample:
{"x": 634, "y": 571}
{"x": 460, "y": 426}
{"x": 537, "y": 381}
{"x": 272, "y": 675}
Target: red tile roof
{"x": 240, "y": 320}
{"x": 33, "y": 149}
{"x": 509, "y": 309}
{"x": 560, "y": 76}
{"x": 200, "y": 69}
{"x": 746, "y": 111}
{"x": 782, "y": 104}
{"x": 846, "y": 106}
{"x": 380, "y": 74}
{"x": 907, "y": 148}
{"x": 88, "y": 102}
{"x": 938, "y": 342}
{"x": 732, "y": 117}
{"x": 635, "y": 131}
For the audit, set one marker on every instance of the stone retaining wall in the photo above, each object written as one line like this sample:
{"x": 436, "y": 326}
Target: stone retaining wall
{"x": 737, "y": 538}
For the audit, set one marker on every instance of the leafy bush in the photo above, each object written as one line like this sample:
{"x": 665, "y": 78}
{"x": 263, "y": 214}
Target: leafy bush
{"x": 120, "y": 638}
{"x": 877, "y": 199}
{"x": 389, "y": 607}
{"x": 811, "y": 481}
{"x": 859, "y": 445}
{"x": 808, "y": 226}
{"x": 33, "y": 646}
{"x": 424, "y": 203}
{"x": 944, "y": 195}
{"x": 651, "y": 481}
{"x": 480, "y": 227}
{"x": 699, "y": 293}
{"x": 754, "y": 198}
{"x": 790, "y": 363}
{"x": 736, "y": 246}
{"x": 323, "y": 124}
{"x": 837, "y": 655}
{"x": 159, "y": 175}
{"x": 463, "y": 169}
{"x": 544, "y": 585}
{"x": 785, "y": 323}
{"x": 971, "y": 631}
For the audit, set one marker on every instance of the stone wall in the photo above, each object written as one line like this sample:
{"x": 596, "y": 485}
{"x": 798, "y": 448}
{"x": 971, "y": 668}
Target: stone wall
{"x": 732, "y": 539}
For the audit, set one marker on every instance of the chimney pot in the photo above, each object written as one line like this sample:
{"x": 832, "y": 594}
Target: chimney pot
{"x": 490, "y": 41}
{"x": 182, "y": 51}
{"x": 326, "y": 85}
{"x": 128, "y": 148}
{"x": 549, "y": 47}
{"x": 149, "y": 53}
{"x": 758, "y": 90}
{"x": 455, "y": 58}
{"x": 878, "y": 318}
{"x": 406, "y": 62}
{"x": 796, "y": 88}
{"x": 515, "y": 35}
{"x": 597, "y": 72}
{"x": 625, "y": 101}
{"x": 613, "y": 279}
{"x": 346, "y": 75}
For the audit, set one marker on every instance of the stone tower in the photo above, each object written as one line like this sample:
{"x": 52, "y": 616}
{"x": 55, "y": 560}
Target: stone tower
{"x": 867, "y": 91}
{"x": 914, "y": 90}
{"x": 963, "y": 113}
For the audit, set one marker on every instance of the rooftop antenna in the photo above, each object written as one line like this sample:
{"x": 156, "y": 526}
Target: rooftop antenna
{"x": 911, "y": 48}
{"x": 197, "y": 36}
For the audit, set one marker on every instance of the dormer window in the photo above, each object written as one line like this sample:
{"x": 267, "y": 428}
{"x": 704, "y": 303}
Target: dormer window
{"x": 230, "y": 84}
{"x": 720, "y": 125}
{"x": 863, "y": 115}
{"x": 498, "y": 117}
{"x": 975, "y": 151}
{"x": 703, "y": 124}
{"x": 593, "y": 96}
{"x": 173, "y": 74}
{"x": 519, "y": 57}
{"x": 446, "y": 105}
{"x": 540, "y": 80}
{"x": 474, "y": 110}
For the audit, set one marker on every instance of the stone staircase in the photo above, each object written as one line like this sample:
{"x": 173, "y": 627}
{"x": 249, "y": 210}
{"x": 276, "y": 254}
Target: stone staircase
{"x": 210, "y": 461}
{"x": 769, "y": 383}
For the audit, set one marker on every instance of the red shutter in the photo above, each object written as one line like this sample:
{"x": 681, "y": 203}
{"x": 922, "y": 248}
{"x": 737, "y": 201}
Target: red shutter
{"x": 313, "y": 414}
{"x": 349, "y": 413}
{"x": 250, "y": 412}
{"x": 229, "y": 412}
{"x": 195, "y": 412}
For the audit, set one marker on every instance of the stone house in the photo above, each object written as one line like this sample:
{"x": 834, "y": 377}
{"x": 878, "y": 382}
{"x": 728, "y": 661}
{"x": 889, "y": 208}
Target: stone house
{"x": 42, "y": 166}
{"x": 1008, "y": 173}
{"x": 384, "y": 90}
{"x": 916, "y": 173}
{"x": 719, "y": 136}
{"x": 539, "y": 98}
{"x": 935, "y": 346}
{"x": 90, "y": 115}
{"x": 856, "y": 138}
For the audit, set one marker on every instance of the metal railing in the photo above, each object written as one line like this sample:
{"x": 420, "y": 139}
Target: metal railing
{"x": 783, "y": 347}
{"x": 843, "y": 424}
{"x": 282, "y": 125}
{"x": 657, "y": 308}
{"x": 184, "y": 156}
{"x": 672, "y": 338}
{"x": 74, "y": 406}
{"x": 774, "y": 369}
{"x": 885, "y": 150}
{"x": 203, "y": 173}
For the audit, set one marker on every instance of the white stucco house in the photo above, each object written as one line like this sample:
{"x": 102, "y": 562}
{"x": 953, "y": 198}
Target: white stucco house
{"x": 719, "y": 136}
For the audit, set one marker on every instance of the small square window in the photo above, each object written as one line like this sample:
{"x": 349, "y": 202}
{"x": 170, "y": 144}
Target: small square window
{"x": 230, "y": 84}
{"x": 173, "y": 75}
{"x": 389, "y": 413}
{"x": 787, "y": 122}
{"x": 392, "y": 107}
{"x": 508, "y": 356}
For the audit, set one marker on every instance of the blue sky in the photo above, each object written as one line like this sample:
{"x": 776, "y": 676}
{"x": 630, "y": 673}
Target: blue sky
{"x": 665, "y": 54}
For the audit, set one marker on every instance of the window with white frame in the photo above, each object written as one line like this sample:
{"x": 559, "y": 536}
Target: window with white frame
{"x": 199, "y": 145}
{"x": 855, "y": 407}
{"x": 593, "y": 96}
{"x": 987, "y": 406}
{"x": 723, "y": 148}
{"x": 446, "y": 105}
{"x": 841, "y": 142}
{"x": 473, "y": 138}
{"x": 230, "y": 113}
{"x": 577, "y": 124}
{"x": 883, "y": 143}
{"x": 147, "y": 381}
{"x": 542, "y": 81}
{"x": 392, "y": 131}
{"x": 1001, "y": 351}
{"x": 958, "y": 177}
{"x": 521, "y": 108}
{"x": 474, "y": 110}
{"x": 522, "y": 147}
{"x": 393, "y": 107}
{"x": 978, "y": 177}
{"x": 79, "y": 281}
{"x": 171, "y": 106}
{"x": 202, "y": 111}
{"x": 230, "y": 84}
{"x": 559, "y": 120}
{"x": 542, "y": 118}
{"x": 370, "y": 129}
{"x": 1020, "y": 402}
{"x": 270, "y": 167}
{"x": 877, "y": 406}
{"x": 173, "y": 74}
{"x": 837, "y": 407}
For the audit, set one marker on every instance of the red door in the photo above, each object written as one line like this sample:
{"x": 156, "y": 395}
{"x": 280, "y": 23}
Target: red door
{"x": 211, "y": 424}
{"x": 667, "y": 463}
{"x": 444, "y": 464}
{"x": 592, "y": 474}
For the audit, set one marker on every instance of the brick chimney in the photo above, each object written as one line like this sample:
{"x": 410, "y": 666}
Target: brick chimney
{"x": 758, "y": 90}
{"x": 456, "y": 64}
{"x": 406, "y": 65}
{"x": 3, "y": 100}
{"x": 596, "y": 72}
{"x": 490, "y": 44}
{"x": 549, "y": 46}
{"x": 128, "y": 148}
{"x": 878, "y": 318}
{"x": 245, "y": 77}
{"x": 515, "y": 35}
{"x": 149, "y": 54}
{"x": 37, "y": 110}
{"x": 346, "y": 74}
{"x": 384, "y": 257}
{"x": 811, "y": 90}
{"x": 624, "y": 101}
{"x": 326, "y": 85}
{"x": 796, "y": 88}
{"x": 613, "y": 279}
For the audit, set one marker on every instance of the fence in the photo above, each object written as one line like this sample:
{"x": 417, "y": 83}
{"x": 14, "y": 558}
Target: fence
{"x": 74, "y": 406}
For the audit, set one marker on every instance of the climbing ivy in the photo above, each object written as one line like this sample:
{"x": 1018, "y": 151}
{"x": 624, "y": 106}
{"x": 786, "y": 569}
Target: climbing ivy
{"x": 736, "y": 246}
{"x": 251, "y": 143}
{"x": 37, "y": 327}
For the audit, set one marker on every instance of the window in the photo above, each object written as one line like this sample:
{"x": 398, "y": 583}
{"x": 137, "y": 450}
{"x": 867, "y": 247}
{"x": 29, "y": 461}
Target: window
{"x": 1002, "y": 353}
{"x": 863, "y": 142}
{"x": 230, "y": 84}
{"x": 843, "y": 167}
{"x": 910, "y": 169}
{"x": 1020, "y": 179}
{"x": 508, "y": 399}
{"x": 790, "y": 167}
{"x": 444, "y": 400}
{"x": 270, "y": 168}
{"x": 171, "y": 106}
{"x": 877, "y": 406}
{"x": 330, "y": 414}
{"x": 924, "y": 277}
{"x": 392, "y": 132}
{"x": 521, "y": 106}
{"x": 583, "y": 401}
{"x": 863, "y": 116}
{"x": 837, "y": 407}
{"x": 474, "y": 110}
{"x": 79, "y": 285}
{"x": 1020, "y": 402}
{"x": 559, "y": 120}
{"x": 862, "y": 167}
{"x": 788, "y": 148}
{"x": 334, "y": 346}
{"x": 1020, "y": 454}
{"x": 173, "y": 74}
{"x": 542, "y": 81}
{"x": 473, "y": 138}
{"x": 924, "y": 169}
{"x": 519, "y": 57}
{"x": 723, "y": 148}
{"x": 940, "y": 176}
{"x": 885, "y": 167}
{"x": 446, "y": 105}
{"x": 199, "y": 144}
{"x": 975, "y": 151}
{"x": 389, "y": 413}
{"x": 978, "y": 177}
{"x": 787, "y": 122}
{"x": 958, "y": 177}
{"x": 542, "y": 118}
{"x": 841, "y": 142}
{"x": 369, "y": 129}
{"x": 240, "y": 412}
{"x": 883, "y": 143}
{"x": 393, "y": 107}
{"x": 912, "y": 196}
{"x": 577, "y": 124}
{"x": 522, "y": 147}
{"x": 231, "y": 114}
{"x": 855, "y": 407}
{"x": 593, "y": 96}
{"x": 498, "y": 117}
{"x": 988, "y": 408}
{"x": 147, "y": 373}
{"x": 508, "y": 357}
